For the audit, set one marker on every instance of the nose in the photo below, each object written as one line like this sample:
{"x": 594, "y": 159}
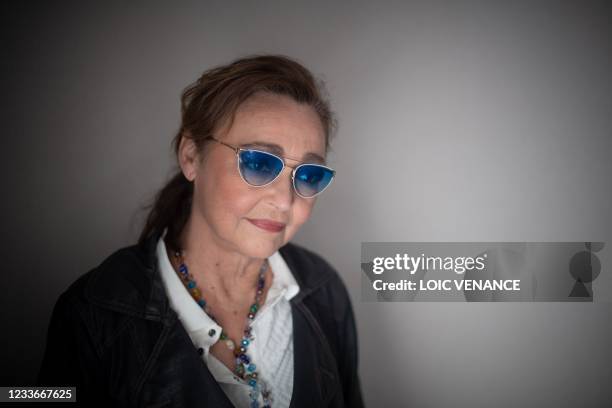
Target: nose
{"x": 281, "y": 190}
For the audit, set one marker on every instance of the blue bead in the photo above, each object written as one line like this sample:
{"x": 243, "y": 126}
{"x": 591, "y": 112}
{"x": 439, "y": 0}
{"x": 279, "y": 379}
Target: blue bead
{"x": 245, "y": 359}
{"x": 251, "y": 367}
{"x": 254, "y": 404}
{"x": 191, "y": 284}
{"x": 245, "y": 342}
{"x": 252, "y": 382}
{"x": 183, "y": 269}
{"x": 202, "y": 302}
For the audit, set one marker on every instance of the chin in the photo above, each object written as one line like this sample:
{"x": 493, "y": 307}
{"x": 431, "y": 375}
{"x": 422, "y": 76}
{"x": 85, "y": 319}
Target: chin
{"x": 262, "y": 249}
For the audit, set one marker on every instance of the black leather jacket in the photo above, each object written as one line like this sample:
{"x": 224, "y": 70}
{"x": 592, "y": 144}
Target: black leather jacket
{"x": 113, "y": 336}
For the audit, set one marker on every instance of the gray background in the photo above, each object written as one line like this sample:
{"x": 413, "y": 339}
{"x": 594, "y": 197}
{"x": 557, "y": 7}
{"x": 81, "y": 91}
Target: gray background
{"x": 459, "y": 121}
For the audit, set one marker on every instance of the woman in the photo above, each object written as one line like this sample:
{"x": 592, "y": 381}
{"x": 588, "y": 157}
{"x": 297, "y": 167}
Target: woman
{"x": 215, "y": 307}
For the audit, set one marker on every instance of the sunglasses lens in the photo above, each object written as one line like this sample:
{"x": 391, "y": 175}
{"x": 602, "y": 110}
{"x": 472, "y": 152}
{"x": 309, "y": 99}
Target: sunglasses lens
{"x": 311, "y": 179}
{"x": 259, "y": 168}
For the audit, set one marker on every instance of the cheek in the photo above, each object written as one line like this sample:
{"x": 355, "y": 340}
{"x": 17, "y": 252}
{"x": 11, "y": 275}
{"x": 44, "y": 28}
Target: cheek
{"x": 300, "y": 214}
{"x": 224, "y": 197}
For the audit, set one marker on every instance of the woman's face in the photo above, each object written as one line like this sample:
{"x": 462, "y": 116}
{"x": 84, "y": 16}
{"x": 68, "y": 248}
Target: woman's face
{"x": 225, "y": 207}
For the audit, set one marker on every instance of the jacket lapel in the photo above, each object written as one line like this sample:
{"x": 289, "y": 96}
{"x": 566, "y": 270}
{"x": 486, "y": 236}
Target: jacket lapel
{"x": 314, "y": 383}
{"x": 178, "y": 377}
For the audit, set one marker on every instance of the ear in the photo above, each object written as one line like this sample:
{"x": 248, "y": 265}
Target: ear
{"x": 188, "y": 157}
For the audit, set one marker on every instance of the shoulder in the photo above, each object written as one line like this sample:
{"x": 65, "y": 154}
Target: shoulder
{"x": 322, "y": 288}
{"x": 98, "y": 304}
{"x": 112, "y": 270}
{"x": 311, "y": 270}
{"x": 303, "y": 258}
{"x": 121, "y": 279}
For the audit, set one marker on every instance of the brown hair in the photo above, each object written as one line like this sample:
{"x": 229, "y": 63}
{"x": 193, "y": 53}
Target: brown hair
{"x": 210, "y": 102}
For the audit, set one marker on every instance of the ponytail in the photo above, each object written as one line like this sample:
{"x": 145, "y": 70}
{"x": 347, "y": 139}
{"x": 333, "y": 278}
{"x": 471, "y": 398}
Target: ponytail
{"x": 170, "y": 209}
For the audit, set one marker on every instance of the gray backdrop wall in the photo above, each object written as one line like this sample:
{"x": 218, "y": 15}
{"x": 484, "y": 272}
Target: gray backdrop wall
{"x": 459, "y": 121}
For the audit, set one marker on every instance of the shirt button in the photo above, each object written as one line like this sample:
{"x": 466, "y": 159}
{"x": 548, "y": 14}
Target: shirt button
{"x": 212, "y": 332}
{"x": 200, "y": 351}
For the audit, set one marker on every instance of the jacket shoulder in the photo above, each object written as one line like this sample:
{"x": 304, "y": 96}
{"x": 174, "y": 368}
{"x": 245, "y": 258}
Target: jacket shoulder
{"x": 315, "y": 276}
{"x": 310, "y": 269}
{"x": 118, "y": 282}
{"x": 309, "y": 258}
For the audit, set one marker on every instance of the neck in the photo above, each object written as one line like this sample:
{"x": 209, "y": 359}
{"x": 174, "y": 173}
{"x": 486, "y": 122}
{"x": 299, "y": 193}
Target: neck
{"x": 218, "y": 268}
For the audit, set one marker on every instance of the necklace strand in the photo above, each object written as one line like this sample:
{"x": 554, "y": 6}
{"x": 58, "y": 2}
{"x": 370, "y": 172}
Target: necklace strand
{"x": 245, "y": 368}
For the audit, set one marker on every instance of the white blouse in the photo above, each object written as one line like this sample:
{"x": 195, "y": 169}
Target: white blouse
{"x": 272, "y": 348}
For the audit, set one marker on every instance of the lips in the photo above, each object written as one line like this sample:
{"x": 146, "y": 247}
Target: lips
{"x": 268, "y": 225}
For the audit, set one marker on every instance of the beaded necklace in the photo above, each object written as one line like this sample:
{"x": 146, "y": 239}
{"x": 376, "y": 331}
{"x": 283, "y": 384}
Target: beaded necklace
{"x": 245, "y": 368}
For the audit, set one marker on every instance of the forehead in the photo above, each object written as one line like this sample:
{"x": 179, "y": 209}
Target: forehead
{"x": 279, "y": 124}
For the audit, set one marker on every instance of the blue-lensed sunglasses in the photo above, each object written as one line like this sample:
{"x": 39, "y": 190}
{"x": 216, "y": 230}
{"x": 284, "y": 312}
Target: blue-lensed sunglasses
{"x": 259, "y": 168}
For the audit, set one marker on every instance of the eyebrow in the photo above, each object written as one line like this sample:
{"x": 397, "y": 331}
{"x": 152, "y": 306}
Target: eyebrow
{"x": 274, "y": 148}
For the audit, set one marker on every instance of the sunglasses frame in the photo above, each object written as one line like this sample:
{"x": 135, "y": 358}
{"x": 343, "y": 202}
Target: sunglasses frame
{"x": 237, "y": 150}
